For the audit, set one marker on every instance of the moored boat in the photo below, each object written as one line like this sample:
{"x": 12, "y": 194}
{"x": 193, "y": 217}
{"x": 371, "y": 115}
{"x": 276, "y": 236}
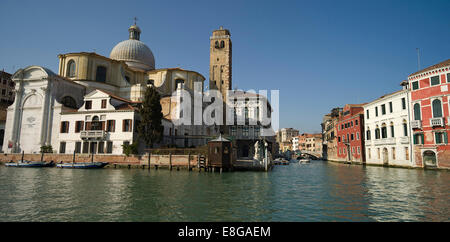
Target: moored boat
{"x": 31, "y": 164}
{"x": 82, "y": 165}
{"x": 304, "y": 160}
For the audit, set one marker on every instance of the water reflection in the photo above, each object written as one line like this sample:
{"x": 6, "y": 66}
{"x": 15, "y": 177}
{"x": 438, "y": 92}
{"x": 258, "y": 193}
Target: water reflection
{"x": 318, "y": 191}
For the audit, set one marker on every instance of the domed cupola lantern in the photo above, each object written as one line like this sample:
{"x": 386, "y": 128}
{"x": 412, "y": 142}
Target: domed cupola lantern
{"x": 135, "y": 53}
{"x": 135, "y": 31}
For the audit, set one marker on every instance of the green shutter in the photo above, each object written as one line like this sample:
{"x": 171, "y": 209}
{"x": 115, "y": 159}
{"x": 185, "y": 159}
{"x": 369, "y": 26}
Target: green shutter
{"x": 437, "y": 137}
{"x": 445, "y": 137}
{"x": 415, "y": 139}
{"x": 422, "y": 138}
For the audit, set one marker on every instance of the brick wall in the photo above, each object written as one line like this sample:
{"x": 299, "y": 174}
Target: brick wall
{"x": 160, "y": 160}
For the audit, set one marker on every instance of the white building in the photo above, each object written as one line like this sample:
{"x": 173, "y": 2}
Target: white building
{"x": 387, "y": 134}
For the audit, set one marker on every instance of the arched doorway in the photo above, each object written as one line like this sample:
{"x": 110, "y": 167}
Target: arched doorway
{"x": 385, "y": 157}
{"x": 429, "y": 159}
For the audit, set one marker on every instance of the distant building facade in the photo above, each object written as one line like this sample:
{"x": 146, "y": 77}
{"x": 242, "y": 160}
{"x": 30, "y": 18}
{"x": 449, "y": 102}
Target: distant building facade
{"x": 350, "y": 132}
{"x": 7, "y": 86}
{"x": 329, "y": 134}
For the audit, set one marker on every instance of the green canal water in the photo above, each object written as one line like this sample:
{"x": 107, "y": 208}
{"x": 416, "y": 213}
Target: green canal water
{"x": 318, "y": 191}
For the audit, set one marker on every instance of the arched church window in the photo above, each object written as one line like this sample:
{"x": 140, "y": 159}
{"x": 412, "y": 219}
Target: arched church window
{"x": 179, "y": 83}
{"x": 216, "y": 44}
{"x": 101, "y": 74}
{"x": 71, "y": 68}
{"x": 222, "y": 44}
{"x": 69, "y": 102}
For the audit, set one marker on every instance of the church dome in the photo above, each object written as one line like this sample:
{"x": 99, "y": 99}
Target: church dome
{"x": 135, "y": 53}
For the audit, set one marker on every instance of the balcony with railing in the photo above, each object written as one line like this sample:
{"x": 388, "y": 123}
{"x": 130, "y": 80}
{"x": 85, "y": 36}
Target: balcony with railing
{"x": 93, "y": 134}
{"x": 404, "y": 140}
{"x": 416, "y": 124}
{"x": 437, "y": 122}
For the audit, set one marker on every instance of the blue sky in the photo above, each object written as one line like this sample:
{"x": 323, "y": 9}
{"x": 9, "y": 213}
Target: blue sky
{"x": 319, "y": 54}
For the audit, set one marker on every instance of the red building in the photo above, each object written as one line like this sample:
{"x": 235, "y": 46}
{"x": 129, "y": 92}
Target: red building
{"x": 430, "y": 121}
{"x": 350, "y": 131}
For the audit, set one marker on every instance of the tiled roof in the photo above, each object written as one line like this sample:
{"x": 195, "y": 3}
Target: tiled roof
{"x": 439, "y": 65}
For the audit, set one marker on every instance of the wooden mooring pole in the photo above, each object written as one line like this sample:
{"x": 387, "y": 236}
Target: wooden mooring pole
{"x": 198, "y": 162}
{"x": 149, "y": 157}
{"x": 189, "y": 161}
{"x": 170, "y": 161}
{"x": 23, "y": 154}
{"x": 42, "y": 156}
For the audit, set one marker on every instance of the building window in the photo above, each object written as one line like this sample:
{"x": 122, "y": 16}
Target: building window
{"x": 357, "y": 135}
{"x": 88, "y": 105}
{"x": 367, "y": 114}
{"x": 126, "y": 125}
{"x": 417, "y": 112}
{"x": 77, "y": 147}
{"x": 257, "y": 132}
{"x": 79, "y": 126}
{"x": 356, "y": 122}
{"x": 383, "y": 131}
{"x": 64, "y": 127}
{"x": 435, "y": 80}
{"x": 101, "y": 74}
{"x": 150, "y": 82}
{"x": 359, "y": 151}
{"x": 179, "y": 83}
{"x": 103, "y": 103}
{"x": 101, "y": 147}
{"x": 393, "y": 153}
{"x": 368, "y": 134}
{"x": 62, "y": 147}
{"x": 437, "y": 109}
{"x": 406, "y": 153}
{"x": 109, "y": 147}
{"x": 390, "y": 107}
{"x": 405, "y": 128}
{"x": 71, "y": 68}
{"x": 85, "y": 147}
{"x": 376, "y": 111}
{"x": 377, "y": 133}
{"x": 111, "y": 125}
{"x": 392, "y": 130}
{"x": 403, "y": 103}
{"x": 440, "y": 138}
{"x": 351, "y": 136}
{"x": 418, "y": 139}
{"x": 383, "y": 109}
{"x": 415, "y": 85}
{"x": 245, "y": 131}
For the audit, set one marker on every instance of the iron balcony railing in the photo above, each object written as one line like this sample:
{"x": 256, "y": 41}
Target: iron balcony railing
{"x": 95, "y": 134}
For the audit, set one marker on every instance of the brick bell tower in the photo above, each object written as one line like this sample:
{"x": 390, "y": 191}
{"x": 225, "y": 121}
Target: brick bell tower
{"x": 220, "y": 67}
{"x": 220, "y": 61}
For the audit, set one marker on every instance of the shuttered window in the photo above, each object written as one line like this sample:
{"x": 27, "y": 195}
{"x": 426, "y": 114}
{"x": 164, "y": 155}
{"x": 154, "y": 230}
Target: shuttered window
{"x": 435, "y": 80}
{"x": 417, "y": 111}
{"x": 415, "y": 85}
{"x": 437, "y": 109}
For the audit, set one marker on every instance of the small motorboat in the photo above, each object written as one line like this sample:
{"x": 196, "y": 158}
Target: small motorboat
{"x": 32, "y": 164}
{"x": 277, "y": 161}
{"x": 82, "y": 165}
{"x": 304, "y": 160}
{"x": 284, "y": 162}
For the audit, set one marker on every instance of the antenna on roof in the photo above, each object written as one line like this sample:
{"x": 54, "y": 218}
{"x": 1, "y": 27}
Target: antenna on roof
{"x": 135, "y": 19}
{"x": 418, "y": 59}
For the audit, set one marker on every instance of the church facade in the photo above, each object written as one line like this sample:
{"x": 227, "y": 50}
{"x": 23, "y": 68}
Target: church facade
{"x": 90, "y": 105}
